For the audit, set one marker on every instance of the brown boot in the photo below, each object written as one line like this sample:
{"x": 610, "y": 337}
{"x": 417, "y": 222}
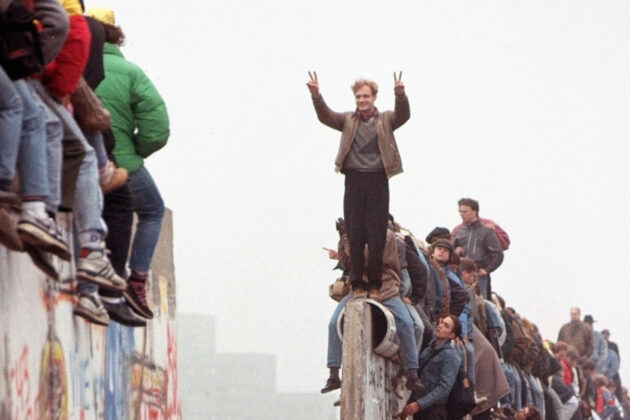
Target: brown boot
{"x": 333, "y": 381}
{"x": 413, "y": 382}
{"x": 9, "y": 236}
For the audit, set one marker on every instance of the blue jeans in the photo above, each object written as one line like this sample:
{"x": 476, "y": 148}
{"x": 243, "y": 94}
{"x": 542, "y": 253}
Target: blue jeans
{"x": 148, "y": 205}
{"x": 32, "y": 162}
{"x": 418, "y": 326}
{"x": 10, "y": 125}
{"x": 54, "y": 155}
{"x": 404, "y": 328}
{"x": 88, "y": 199}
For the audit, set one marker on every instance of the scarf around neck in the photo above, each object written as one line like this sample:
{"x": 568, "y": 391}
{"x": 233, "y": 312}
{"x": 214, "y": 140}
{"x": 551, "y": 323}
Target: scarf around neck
{"x": 365, "y": 115}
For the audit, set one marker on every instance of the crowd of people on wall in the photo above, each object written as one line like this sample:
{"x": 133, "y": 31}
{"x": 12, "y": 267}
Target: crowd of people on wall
{"x": 77, "y": 121}
{"x": 446, "y": 318}
{"x": 453, "y": 329}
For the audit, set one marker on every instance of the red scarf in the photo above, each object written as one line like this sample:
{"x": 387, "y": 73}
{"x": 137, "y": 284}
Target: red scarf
{"x": 365, "y": 115}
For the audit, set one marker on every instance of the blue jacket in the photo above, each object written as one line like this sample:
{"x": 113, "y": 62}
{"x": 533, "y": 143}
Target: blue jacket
{"x": 438, "y": 370}
{"x": 465, "y": 318}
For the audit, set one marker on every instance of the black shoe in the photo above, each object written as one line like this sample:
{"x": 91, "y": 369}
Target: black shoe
{"x": 41, "y": 260}
{"x": 122, "y": 313}
{"x": 331, "y": 384}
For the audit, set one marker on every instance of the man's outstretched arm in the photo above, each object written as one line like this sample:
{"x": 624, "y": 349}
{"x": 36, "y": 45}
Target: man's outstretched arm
{"x": 401, "y": 106}
{"x": 325, "y": 115}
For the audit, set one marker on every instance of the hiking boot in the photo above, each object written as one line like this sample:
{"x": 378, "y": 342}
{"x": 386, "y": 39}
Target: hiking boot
{"x": 331, "y": 384}
{"x": 43, "y": 233}
{"x": 122, "y": 313}
{"x": 41, "y": 259}
{"x": 91, "y": 309}
{"x": 118, "y": 179}
{"x": 8, "y": 234}
{"x": 413, "y": 382}
{"x": 136, "y": 295}
{"x": 93, "y": 266}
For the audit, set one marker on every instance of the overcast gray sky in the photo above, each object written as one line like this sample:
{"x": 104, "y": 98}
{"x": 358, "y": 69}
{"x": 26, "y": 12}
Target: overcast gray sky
{"x": 522, "y": 105}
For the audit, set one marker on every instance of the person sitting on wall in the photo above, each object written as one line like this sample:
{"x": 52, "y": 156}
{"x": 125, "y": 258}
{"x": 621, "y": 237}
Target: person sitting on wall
{"x": 389, "y": 296}
{"x": 439, "y": 362}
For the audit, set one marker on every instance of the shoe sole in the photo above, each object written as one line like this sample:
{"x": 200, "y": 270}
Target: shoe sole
{"x": 36, "y": 237}
{"x": 89, "y": 316}
{"x": 40, "y": 263}
{"x": 135, "y": 305}
{"x": 100, "y": 281}
{"x": 123, "y": 321}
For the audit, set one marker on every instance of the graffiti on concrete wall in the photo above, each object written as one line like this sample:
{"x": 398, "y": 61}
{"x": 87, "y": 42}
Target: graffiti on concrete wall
{"x": 22, "y": 401}
{"x": 152, "y": 389}
{"x": 53, "y": 386}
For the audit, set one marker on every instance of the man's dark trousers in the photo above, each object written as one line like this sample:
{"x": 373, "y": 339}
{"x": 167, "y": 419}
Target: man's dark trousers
{"x": 366, "y": 211}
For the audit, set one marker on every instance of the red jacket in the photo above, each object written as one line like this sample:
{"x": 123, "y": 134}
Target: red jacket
{"x": 63, "y": 73}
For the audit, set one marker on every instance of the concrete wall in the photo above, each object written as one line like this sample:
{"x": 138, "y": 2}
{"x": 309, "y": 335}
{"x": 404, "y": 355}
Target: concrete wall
{"x": 57, "y": 366}
{"x": 372, "y": 386}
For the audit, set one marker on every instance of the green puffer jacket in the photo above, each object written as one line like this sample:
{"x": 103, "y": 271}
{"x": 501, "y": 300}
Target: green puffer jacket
{"x": 139, "y": 118}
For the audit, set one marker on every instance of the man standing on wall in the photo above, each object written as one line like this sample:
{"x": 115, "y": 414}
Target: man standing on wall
{"x": 368, "y": 157}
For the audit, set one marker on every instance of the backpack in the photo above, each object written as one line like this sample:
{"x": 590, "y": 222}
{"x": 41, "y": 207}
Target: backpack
{"x": 20, "y": 51}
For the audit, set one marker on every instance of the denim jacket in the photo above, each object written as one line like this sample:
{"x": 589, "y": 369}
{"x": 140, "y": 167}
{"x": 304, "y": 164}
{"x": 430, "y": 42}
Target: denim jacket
{"x": 438, "y": 370}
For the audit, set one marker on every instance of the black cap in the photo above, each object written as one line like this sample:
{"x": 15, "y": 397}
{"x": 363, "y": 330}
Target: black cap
{"x": 589, "y": 319}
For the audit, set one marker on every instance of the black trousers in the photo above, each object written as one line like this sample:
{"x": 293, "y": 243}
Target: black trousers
{"x": 435, "y": 412}
{"x": 366, "y": 211}
{"x": 119, "y": 218}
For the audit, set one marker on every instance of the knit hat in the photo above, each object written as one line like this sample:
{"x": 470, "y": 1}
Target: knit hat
{"x": 103, "y": 15}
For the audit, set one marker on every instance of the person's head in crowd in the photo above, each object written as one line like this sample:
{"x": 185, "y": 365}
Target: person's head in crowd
{"x": 612, "y": 387}
{"x": 606, "y": 334}
{"x": 560, "y": 350}
{"x": 448, "y": 328}
{"x": 438, "y": 233}
{"x": 528, "y": 413}
{"x": 113, "y": 34}
{"x": 513, "y": 312}
{"x": 600, "y": 380}
{"x": 588, "y": 366}
{"x": 575, "y": 314}
{"x": 572, "y": 356}
{"x": 588, "y": 320}
{"x": 498, "y": 300}
{"x": 468, "y": 210}
{"x": 441, "y": 251}
{"x": 392, "y": 224}
{"x": 468, "y": 268}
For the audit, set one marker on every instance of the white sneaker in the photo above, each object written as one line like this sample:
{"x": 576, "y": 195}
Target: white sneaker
{"x": 96, "y": 268}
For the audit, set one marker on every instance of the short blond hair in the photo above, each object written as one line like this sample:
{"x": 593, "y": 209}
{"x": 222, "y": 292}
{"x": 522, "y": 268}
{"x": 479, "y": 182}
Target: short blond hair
{"x": 359, "y": 83}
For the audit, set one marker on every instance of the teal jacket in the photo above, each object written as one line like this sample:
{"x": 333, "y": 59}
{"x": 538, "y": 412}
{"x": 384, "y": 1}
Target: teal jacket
{"x": 139, "y": 118}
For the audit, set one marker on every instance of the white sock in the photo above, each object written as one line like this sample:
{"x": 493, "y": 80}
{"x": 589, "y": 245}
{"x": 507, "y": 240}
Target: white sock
{"x": 36, "y": 209}
{"x": 91, "y": 239}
